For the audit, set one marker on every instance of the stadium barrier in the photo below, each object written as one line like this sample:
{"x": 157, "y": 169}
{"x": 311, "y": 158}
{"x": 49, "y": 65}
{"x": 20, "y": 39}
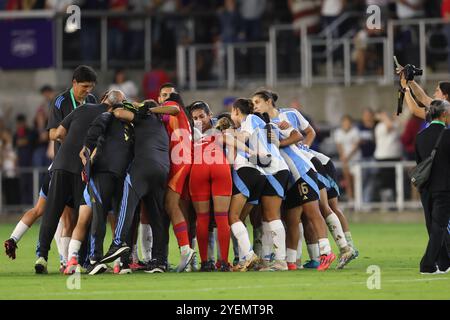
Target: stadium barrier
{"x": 399, "y": 203}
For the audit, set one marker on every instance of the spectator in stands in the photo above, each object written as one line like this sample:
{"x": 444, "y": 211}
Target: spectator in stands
{"x": 367, "y": 147}
{"x": 121, "y": 83}
{"x": 331, "y": 10}
{"x": 408, "y": 137}
{"x": 58, "y": 5}
{"x": 8, "y": 163}
{"x": 251, "y": 12}
{"x": 40, "y": 158}
{"x": 410, "y": 9}
{"x": 347, "y": 141}
{"x": 23, "y": 143}
{"x": 388, "y": 148}
{"x": 229, "y": 22}
{"x": 135, "y": 34}
{"x": 90, "y": 31}
{"x": 117, "y": 28}
{"x": 305, "y": 13}
{"x": 153, "y": 80}
{"x": 365, "y": 52}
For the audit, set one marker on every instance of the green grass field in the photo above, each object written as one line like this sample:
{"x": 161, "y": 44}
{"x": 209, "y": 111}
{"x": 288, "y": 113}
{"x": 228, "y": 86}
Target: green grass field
{"x": 395, "y": 248}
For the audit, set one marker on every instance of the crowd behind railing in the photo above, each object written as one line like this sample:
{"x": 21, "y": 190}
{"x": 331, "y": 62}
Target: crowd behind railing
{"x": 184, "y": 22}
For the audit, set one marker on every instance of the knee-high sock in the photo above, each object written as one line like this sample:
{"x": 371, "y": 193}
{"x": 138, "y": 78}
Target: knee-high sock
{"x": 181, "y": 233}
{"x": 146, "y": 242}
{"x": 279, "y": 239}
{"x": 20, "y": 230}
{"x": 257, "y": 240}
{"x": 57, "y": 238}
{"x": 74, "y": 247}
{"x": 335, "y": 227}
{"x": 211, "y": 244}
{"x": 266, "y": 241}
{"x": 203, "y": 235}
{"x": 223, "y": 234}
{"x": 300, "y": 242}
{"x": 240, "y": 232}
{"x": 324, "y": 246}
{"x": 313, "y": 251}
{"x": 65, "y": 248}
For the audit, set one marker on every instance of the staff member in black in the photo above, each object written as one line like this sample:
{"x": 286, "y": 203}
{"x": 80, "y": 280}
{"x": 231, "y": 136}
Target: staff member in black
{"x": 111, "y": 142}
{"x": 435, "y": 196}
{"x": 66, "y": 182}
{"x": 147, "y": 181}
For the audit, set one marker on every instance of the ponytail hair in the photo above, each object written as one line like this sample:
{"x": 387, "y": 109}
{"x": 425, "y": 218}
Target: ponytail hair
{"x": 245, "y": 106}
{"x": 267, "y": 95}
{"x": 445, "y": 88}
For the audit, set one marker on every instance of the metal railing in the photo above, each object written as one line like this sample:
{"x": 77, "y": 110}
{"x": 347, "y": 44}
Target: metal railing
{"x": 35, "y": 173}
{"x": 400, "y": 203}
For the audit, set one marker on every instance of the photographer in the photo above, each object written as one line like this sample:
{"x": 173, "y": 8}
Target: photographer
{"x": 435, "y": 195}
{"x": 415, "y": 95}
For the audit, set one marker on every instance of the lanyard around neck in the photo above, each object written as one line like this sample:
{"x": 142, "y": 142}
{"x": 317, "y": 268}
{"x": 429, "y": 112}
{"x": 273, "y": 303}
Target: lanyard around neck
{"x": 74, "y": 104}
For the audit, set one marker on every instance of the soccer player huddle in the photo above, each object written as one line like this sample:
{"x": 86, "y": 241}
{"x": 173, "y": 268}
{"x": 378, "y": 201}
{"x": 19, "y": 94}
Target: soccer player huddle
{"x": 144, "y": 166}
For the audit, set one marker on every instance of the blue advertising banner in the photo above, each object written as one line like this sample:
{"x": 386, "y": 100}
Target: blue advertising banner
{"x": 26, "y": 43}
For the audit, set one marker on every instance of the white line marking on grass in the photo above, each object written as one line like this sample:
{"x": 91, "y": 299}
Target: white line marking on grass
{"x": 215, "y": 289}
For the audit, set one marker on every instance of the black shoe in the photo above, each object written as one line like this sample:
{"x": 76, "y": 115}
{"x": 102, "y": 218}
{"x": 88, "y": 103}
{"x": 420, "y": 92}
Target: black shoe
{"x": 208, "y": 266}
{"x": 156, "y": 266}
{"x": 235, "y": 261}
{"x": 225, "y": 267}
{"x": 10, "y": 248}
{"x": 96, "y": 268}
{"x": 115, "y": 251}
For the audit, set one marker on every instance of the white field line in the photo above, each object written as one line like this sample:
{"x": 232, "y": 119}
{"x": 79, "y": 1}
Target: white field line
{"x": 215, "y": 289}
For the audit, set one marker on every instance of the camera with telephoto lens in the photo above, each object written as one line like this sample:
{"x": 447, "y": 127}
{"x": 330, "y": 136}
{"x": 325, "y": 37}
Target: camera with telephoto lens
{"x": 411, "y": 71}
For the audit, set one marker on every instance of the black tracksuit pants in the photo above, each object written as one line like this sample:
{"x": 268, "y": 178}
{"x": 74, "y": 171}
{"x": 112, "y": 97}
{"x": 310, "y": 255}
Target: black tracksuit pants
{"x": 150, "y": 187}
{"x": 103, "y": 195}
{"x": 437, "y": 214}
{"x": 64, "y": 187}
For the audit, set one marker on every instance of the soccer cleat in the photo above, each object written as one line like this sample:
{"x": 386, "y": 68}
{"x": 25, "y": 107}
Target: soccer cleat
{"x": 247, "y": 264}
{"x": 276, "y": 265}
{"x": 186, "y": 259}
{"x": 10, "y": 248}
{"x": 437, "y": 271}
{"x": 292, "y": 266}
{"x": 156, "y": 266}
{"x": 41, "y": 266}
{"x": 261, "y": 263}
{"x": 224, "y": 266}
{"x": 326, "y": 261}
{"x": 194, "y": 264}
{"x": 71, "y": 266}
{"x": 345, "y": 257}
{"x": 125, "y": 268}
{"x": 116, "y": 269}
{"x": 96, "y": 268}
{"x": 299, "y": 264}
{"x": 208, "y": 266}
{"x": 62, "y": 267}
{"x": 311, "y": 264}
{"x": 115, "y": 251}
{"x": 138, "y": 266}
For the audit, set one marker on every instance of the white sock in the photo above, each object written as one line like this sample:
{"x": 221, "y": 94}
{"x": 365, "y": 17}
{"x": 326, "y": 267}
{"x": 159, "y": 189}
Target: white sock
{"x": 134, "y": 254}
{"x": 300, "y": 242}
{"x": 146, "y": 241}
{"x": 324, "y": 246}
{"x": 279, "y": 239}
{"x": 240, "y": 232}
{"x": 266, "y": 242}
{"x": 74, "y": 248}
{"x": 291, "y": 255}
{"x": 348, "y": 237}
{"x": 57, "y": 238}
{"x": 335, "y": 227}
{"x": 19, "y": 231}
{"x": 211, "y": 245}
{"x": 258, "y": 234}
{"x": 313, "y": 251}
{"x": 65, "y": 248}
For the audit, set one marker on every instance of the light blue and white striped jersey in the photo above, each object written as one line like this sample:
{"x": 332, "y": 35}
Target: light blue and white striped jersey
{"x": 298, "y": 162}
{"x": 295, "y": 118}
{"x": 254, "y": 126}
